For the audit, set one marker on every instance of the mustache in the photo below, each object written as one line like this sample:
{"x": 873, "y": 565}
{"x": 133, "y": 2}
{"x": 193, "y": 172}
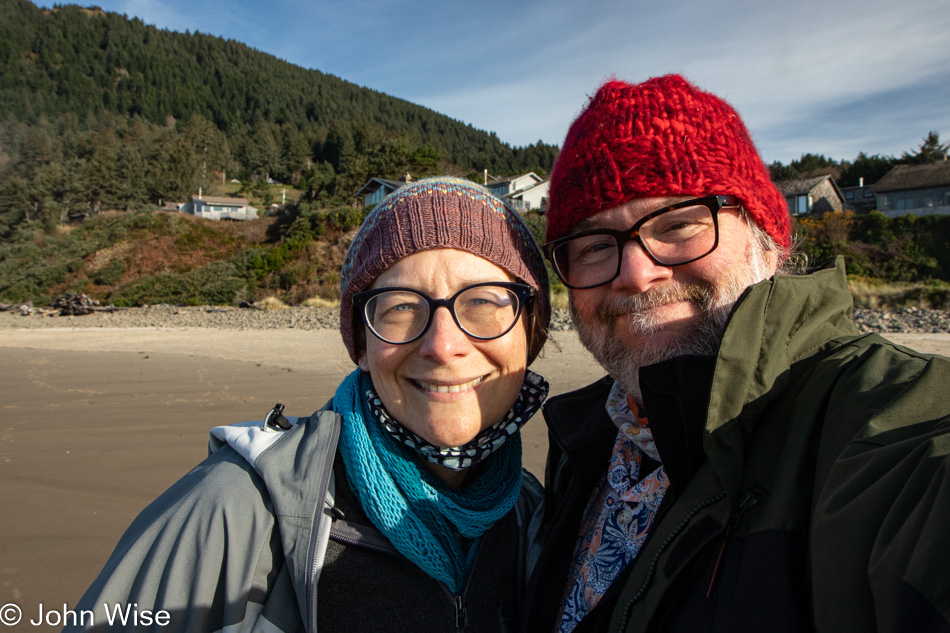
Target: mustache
{"x": 632, "y": 305}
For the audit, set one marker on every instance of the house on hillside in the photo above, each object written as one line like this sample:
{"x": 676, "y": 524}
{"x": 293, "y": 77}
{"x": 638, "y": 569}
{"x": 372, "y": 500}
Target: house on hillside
{"x": 859, "y": 199}
{"x": 917, "y": 189}
{"x": 213, "y": 208}
{"x": 376, "y": 189}
{"x": 524, "y": 192}
{"x": 811, "y": 196}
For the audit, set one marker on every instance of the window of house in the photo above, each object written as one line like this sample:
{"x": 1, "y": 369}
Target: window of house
{"x": 849, "y": 195}
{"x": 798, "y": 205}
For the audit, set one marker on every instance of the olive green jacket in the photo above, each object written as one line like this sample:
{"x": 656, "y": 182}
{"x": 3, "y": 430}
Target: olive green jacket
{"x": 810, "y": 483}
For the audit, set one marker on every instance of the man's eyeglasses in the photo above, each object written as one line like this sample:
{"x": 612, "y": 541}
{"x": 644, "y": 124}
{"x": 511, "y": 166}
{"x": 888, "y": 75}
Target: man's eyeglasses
{"x": 483, "y": 311}
{"x": 676, "y": 234}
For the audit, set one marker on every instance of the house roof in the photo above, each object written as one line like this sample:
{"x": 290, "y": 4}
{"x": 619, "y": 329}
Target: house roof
{"x": 498, "y": 181}
{"x": 800, "y": 186}
{"x": 234, "y": 202}
{"x": 915, "y": 177}
{"x": 378, "y": 182}
{"x": 519, "y": 192}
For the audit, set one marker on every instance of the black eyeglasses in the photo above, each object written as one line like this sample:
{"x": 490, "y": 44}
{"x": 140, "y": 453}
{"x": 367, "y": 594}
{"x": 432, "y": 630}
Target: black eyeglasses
{"x": 676, "y": 234}
{"x": 483, "y": 311}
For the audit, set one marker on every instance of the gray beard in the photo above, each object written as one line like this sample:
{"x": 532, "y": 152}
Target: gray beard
{"x": 635, "y": 315}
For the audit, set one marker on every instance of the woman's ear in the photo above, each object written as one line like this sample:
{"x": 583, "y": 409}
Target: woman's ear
{"x": 363, "y": 363}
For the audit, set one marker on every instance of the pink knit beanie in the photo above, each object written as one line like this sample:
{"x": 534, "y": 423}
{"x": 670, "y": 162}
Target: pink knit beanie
{"x": 442, "y": 213}
{"x": 663, "y": 137}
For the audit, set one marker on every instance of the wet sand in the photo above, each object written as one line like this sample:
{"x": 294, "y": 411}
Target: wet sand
{"x": 96, "y": 423}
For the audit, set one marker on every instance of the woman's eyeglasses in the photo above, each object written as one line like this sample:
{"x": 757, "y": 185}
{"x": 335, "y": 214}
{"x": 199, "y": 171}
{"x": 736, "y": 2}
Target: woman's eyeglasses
{"x": 484, "y": 311}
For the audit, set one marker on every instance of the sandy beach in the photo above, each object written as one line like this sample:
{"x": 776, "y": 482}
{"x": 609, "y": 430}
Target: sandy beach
{"x": 96, "y": 422}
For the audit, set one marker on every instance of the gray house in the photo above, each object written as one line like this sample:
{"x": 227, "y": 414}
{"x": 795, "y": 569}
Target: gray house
{"x": 376, "y": 189}
{"x": 213, "y": 208}
{"x": 860, "y": 199}
{"x": 917, "y": 189}
{"x": 811, "y": 196}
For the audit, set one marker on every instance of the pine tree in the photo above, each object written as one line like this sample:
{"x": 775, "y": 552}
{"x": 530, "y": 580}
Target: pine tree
{"x": 930, "y": 151}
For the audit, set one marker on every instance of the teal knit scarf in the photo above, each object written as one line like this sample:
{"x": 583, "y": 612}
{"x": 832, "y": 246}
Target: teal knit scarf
{"x": 435, "y": 526}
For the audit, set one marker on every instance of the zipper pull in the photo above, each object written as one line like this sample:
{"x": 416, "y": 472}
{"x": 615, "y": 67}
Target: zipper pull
{"x": 751, "y": 498}
{"x": 461, "y": 614}
{"x": 335, "y": 511}
{"x": 276, "y": 419}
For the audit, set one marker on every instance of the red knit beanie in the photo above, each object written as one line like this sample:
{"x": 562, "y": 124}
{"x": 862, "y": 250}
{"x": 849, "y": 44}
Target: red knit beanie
{"x": 663, "y": 137}
{"x": 435, "y": 213}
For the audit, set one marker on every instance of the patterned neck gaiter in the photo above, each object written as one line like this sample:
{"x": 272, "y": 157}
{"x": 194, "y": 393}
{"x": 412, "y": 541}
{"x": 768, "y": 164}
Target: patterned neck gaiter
{"x": 532, "y": 395}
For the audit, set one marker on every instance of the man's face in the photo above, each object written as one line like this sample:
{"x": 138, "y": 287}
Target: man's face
{"x": 651, "y": 312}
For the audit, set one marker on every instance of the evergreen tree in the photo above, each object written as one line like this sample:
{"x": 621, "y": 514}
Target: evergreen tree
{"x": 930, "y": 151}
{"x": 870, "y": 168}
{"x": 98, "y": 111}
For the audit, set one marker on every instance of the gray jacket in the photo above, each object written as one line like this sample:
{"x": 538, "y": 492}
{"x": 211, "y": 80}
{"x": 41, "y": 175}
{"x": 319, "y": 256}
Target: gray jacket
{"x": 238, "y": 543}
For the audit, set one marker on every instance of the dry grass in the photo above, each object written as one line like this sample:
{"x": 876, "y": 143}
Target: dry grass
{"x": 270, "y": 303}
{"x": 559, "y": 298}
{"x": 320, "y": 302}
{"x": 877, "y": 295}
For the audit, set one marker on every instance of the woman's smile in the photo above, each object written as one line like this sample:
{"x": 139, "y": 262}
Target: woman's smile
{"x": 448, "y": 387}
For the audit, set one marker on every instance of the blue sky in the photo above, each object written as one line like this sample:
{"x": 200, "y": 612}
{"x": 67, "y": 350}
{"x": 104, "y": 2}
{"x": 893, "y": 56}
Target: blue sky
{"x": 831, "y": 77}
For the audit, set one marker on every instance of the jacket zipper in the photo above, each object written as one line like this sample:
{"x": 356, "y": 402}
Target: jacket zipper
{"x": 666, "y": 543}
{"x": 321, "y": 519}
{"x": 365, "y": 543}
{"x": 461, "y": 612}
{"x": 750, "y": 499}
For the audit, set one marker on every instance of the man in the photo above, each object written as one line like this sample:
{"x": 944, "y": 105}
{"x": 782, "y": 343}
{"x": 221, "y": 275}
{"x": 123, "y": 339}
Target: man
{"x": 751, "y": 463}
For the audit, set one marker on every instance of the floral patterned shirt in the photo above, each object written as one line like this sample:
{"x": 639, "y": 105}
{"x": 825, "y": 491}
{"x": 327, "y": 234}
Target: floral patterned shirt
{"x": 619, "y": 515}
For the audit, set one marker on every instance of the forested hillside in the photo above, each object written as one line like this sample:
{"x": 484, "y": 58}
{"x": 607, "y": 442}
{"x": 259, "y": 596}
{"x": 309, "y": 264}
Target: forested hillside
{"x": 98, "y": 111}
{"x": 104, "y": 118}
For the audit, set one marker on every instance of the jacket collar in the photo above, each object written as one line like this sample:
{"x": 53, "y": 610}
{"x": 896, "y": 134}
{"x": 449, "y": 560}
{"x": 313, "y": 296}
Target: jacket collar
{"x": 785, "y": 321}
{"x": 675, "y": 396}
{"x": 711, "y": 401}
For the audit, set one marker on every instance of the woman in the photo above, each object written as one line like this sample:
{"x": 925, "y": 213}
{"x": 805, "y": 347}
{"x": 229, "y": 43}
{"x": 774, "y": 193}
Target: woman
{"x": 399, "y": 506}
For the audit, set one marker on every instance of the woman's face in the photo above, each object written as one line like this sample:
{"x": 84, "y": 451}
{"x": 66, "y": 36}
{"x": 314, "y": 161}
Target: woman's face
{"x": 483, "y": 378}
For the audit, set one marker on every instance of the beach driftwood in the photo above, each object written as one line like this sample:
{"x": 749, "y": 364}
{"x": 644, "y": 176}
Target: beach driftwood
{"x": 69, "y": 304}
{"x": 74, "y": 304}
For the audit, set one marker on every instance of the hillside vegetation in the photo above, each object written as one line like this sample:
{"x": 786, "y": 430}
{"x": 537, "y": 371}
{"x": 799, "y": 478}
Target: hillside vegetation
{"x": 100, "y": 112}
{"x": 156, "y": 257}
{"x": 104, "y": 118}
{"x": 144, "y": 258}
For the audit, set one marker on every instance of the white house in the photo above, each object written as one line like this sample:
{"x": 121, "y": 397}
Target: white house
{"x": 524, "y": 192}
{"x": 220, "y": 208}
